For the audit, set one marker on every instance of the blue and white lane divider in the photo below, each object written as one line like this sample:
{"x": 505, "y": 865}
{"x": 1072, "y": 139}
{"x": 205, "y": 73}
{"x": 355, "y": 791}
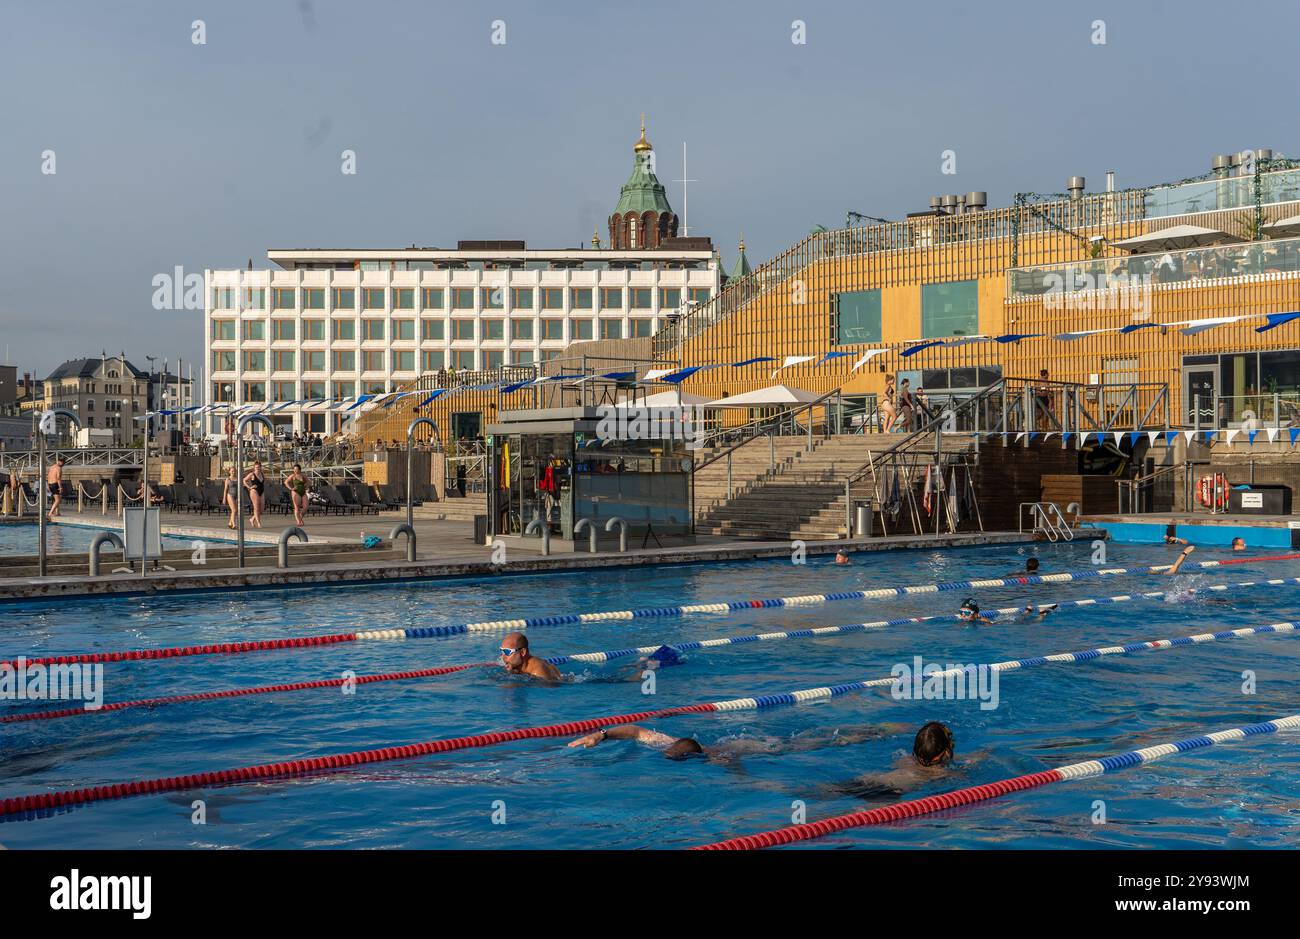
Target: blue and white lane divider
{"x": 914, "y": 808}
{"x": 881, "y": 593}
{"x": 824, "y": 631}
{"x": 1067, "y": 658}
{"x": 665, "y": 653}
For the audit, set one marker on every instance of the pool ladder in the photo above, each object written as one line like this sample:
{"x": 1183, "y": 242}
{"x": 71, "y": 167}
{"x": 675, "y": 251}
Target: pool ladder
{"x": 1048, "y": 520}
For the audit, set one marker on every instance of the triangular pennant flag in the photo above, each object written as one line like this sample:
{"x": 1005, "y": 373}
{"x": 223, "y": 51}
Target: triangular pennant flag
{"x": 1171, "y": 436}
{"x": 867, "y": 357}
{"x": 1275, "y": 320}
{"x": 1209, "y": 435}
{"x": 792, "y": 360}
{"x": 1066, "y": 435}
{"x": 1232, "y": 435}
{"x": 1019, "y": 436}
{"x": 1189, "y": 434}
{"x": 1295, "y": 432}
{"x": 1196, "y": 327}
{"x": 1134, "y": 327}
{"x": 1016, "y": 337}
{"x": 831, "y": 356}
{"x": 920, "y": 346}
{"x": 1250, "y": 436}
{"x": 1032, "y": 435}
{"x": 1272, "y": 434}
{"x": 755, "y": 360}
{"x": 1133, "y": 437}
{"x": 1048, "y": 435}
{"x": 1119, "y": 437}
{"x": 1151, "y": 437}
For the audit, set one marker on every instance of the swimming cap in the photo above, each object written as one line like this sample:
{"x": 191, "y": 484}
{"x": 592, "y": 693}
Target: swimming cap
{"x": 666, "y": 655}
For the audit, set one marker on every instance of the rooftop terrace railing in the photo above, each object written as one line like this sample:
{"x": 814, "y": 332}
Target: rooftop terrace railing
{"x": 1235, "y": 192}
{"x": 1108, "y": 212}
{"x": 1139, "y": 271}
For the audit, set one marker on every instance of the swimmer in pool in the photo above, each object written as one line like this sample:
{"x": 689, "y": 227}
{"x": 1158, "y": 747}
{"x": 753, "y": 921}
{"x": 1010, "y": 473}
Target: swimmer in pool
{"x": 970, "y": 612}
{"x": 1238, "y": 544}
{"x": 730, "y": 751}
{"x": 1031, "y": 569}
{"x": 841, "y": 557}
{"x": 516, "y": 658}
{"x": 1171, "y": 535}
{"x": 931, "y": 758}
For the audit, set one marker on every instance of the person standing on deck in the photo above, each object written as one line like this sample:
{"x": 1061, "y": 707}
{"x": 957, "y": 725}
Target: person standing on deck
{"x": 54, "y": 480}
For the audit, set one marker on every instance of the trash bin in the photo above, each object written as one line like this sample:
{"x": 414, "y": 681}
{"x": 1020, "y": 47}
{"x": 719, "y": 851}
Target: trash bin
{"x": 1260, "y": 499}
{"x": 862, "y": 518}
{"x": 480, "y": 529}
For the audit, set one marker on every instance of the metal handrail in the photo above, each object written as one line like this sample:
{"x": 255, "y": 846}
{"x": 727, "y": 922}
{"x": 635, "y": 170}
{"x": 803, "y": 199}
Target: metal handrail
{"x": 928, "y": 429}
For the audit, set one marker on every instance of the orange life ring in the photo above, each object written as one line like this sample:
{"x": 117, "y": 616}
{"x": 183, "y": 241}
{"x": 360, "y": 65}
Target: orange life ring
{"x": 1212, "y": 490}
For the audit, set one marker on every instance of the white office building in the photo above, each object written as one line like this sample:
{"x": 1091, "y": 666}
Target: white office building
{"x": 333, "y": 323}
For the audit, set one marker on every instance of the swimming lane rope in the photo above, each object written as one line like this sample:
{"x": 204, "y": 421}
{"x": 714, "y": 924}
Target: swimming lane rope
{"x": 44, "y": 801}
{"x": 912, "y": 808}
{"x": 435, "y": 632}
{"x": 597, "y": 657}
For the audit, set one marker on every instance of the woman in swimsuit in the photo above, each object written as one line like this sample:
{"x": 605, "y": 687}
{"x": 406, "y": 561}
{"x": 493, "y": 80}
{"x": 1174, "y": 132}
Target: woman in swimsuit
{"x": 905, "y": 406}
{"x": 888, "y": 410}
{"x": 297, "y": 484}
{"x": 255, "y": 483}
{"x": 228, "y": 494}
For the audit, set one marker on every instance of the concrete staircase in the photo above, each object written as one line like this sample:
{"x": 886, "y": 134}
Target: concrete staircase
{"x": 804, "y": 498}
{"x": 454, "y": 508}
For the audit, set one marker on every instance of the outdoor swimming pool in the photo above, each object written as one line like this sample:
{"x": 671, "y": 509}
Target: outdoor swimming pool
{"x": 619, "y": 795}
{"x": 62, "y": 539}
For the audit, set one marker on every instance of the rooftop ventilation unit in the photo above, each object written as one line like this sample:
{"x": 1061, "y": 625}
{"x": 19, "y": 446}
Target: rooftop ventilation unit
{"x": 975, "y": 201}
{"x": 1076, "y": 185}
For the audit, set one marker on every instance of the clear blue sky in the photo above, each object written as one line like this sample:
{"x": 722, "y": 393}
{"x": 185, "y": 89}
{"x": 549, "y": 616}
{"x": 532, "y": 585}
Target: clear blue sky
{"x": 173, "y": 154}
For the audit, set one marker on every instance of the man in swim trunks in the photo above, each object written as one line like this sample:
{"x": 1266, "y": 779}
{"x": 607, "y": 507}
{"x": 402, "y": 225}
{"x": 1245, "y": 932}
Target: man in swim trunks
{"x": 54, "y": 485}
{"x": 729, "y": 751}
{"x": 516, "y": 659}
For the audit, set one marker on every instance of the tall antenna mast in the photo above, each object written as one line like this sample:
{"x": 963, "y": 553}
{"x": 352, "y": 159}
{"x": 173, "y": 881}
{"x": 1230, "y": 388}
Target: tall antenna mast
{"x": 686, "y": 228}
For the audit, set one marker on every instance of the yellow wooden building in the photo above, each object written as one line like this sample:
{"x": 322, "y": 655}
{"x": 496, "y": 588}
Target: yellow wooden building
{"x": 1216, "y": 246}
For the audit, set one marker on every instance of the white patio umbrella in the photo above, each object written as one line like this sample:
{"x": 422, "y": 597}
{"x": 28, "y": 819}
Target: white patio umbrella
{"x": 773, "y": 396}
{"x": 1283, "y": 227}
{"x": 663, "y": 399}
{"x": 1176, "y": 237}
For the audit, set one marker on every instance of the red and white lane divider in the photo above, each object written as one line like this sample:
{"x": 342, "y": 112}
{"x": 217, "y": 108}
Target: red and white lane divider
{"x": 912, "y": 808}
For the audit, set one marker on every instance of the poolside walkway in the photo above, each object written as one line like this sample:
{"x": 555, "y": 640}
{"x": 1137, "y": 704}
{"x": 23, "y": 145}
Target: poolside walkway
{"x": 445, "y": 549}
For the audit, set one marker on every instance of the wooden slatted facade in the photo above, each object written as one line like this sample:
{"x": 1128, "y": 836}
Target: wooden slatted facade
{"x": 787, "y": 306}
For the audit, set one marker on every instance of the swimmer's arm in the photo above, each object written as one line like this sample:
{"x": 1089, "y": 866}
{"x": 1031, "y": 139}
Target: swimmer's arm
{"x": 624, "y": 732}
{"x": 1171, "y": 571}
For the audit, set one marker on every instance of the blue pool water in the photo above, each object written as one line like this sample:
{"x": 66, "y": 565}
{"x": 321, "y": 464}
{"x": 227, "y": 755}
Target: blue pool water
{"x": 619, "y": 795}
{"x": 61, "y": 539}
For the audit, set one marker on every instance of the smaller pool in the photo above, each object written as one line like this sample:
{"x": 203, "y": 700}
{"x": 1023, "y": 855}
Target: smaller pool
{"x": 23, "y": 538}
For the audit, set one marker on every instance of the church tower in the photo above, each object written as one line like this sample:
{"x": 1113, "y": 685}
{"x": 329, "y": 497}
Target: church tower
{"x": 643, "y": 218}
